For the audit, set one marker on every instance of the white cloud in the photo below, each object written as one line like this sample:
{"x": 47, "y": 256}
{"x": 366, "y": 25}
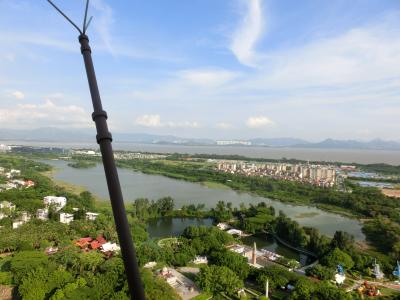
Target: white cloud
{"x": 154, "y": 121}
{"x": 258, "y": 122}
{"x": 248, "y": 33}
{"x": 223, "y": 125}
{"x": 149, "y": 121}
{"x": 104, "y": 22}
{"x": 208, "y": 78}
{"x": 360, "y": 55}
{"x": 18, "y": 95}
{"x": 28, "y": 115}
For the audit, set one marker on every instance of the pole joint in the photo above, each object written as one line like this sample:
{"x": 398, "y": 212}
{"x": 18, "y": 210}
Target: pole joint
{"x": 100, "y": 113}
{"x": 103, "y": 136}
{"x": 84, "y": 41}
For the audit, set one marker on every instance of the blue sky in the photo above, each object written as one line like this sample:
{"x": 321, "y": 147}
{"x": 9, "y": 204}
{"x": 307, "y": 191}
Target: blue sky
{"x": 207, "y": 68}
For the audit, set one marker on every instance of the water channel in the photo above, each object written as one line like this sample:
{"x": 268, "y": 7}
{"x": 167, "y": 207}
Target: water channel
{"x": 136, "y": 185}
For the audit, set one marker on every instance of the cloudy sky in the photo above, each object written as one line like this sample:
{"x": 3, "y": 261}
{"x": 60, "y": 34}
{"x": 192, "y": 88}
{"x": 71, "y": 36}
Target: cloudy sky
{"x": 207, "y": 68}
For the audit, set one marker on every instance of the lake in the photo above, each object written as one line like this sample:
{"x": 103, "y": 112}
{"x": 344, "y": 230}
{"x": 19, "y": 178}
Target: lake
{"x": 361, "y": 156}
{"x": 138, "y": 185}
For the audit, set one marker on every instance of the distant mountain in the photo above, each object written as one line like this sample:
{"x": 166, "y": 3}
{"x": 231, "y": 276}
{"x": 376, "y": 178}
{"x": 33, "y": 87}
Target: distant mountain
{"x": 52, "y": 134}
{"x": 277, "y": 142}
{"x": 376, "y": 144}
{"x": 47, "y": 134}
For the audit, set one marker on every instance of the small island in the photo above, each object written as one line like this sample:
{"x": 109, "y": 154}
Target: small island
{"x": 82, "y": 164}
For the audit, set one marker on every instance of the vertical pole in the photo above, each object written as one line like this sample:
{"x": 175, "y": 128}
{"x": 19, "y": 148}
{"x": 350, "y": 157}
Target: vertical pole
{"x": 266, "y": 288}
{"x": 104, "y": 140}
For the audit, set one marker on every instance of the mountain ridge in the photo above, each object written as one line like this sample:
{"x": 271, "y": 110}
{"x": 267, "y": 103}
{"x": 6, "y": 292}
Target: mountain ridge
{"x": 53, "y": 134}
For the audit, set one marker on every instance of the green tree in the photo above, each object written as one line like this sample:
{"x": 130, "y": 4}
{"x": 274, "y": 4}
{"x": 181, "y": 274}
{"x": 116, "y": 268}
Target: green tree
{"x": 216, "y": 279}
{"x": 304, "y": 289}
{"x": 156, "y": 288}
{"x": 342, "y": 240}
{"x": 336, "y": 257}
{"x": 25, "y": 261}
{"x": 236, "y": 262}
{"x": 166, "y": 205}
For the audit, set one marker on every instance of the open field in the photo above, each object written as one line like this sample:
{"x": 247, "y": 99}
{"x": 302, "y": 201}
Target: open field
{"x": 215, "y": 185}
{"x": 307, "y": 215}
{"x": 6, "y": 292}
{"x": 391, "y": 192}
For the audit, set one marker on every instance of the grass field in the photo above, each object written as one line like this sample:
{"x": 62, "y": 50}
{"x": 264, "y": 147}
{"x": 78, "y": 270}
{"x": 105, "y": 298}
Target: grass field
{"x": 307, "y": 215}
{"x": 215, "y": 185}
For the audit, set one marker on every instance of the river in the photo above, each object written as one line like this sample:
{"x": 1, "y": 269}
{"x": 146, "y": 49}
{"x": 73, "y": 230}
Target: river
{"x": 136, "y": 185}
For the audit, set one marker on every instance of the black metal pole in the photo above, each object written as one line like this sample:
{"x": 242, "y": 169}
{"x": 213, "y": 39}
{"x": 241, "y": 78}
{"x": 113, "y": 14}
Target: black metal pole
{"x": 104, "y": 140}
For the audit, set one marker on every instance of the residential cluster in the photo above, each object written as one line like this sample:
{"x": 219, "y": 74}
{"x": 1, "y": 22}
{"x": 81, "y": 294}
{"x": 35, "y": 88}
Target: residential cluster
{"x": 11, "y": 180}
{"x": 233, "y": 142}
{"x": 120, "y": 155}
{"x": 88, "y": 244}
{"x": 137, "y": 155}
{"x": 7, "y": 209}
{"x": 320, "y": 175}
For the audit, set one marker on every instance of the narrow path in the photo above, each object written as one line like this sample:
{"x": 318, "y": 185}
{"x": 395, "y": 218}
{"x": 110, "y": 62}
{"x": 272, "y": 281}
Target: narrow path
{"x": 300, "y": 250}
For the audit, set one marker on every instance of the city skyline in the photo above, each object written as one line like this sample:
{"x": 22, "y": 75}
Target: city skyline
{"x": 211, "y": 69}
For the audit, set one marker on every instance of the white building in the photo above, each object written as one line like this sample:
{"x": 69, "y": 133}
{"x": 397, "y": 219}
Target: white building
{"x": 16, "y": 224}
{"x": 91, "y": 216}
{"x": 25, "y": 217}
{"x": 223, "y": 226}
{"x": 235, "y": 232}
{"x": 42, "y": 214}
{"x": 7, "y": 206}
{"x": 110, "y": 247}
{"x": 66, "y": 218}
{"x": 200, "y": 260}
{"x": 12, "y": 173}
{"x": 150, "y": 265}
{"x": 57, "y": 202}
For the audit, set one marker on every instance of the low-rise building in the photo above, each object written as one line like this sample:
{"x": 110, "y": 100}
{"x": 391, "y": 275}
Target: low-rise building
{"x": 110, "y": 247}
{"x": 57, "y": 202}
{"x": 5, "y": 205}
{"x": 234, "y": 231}
{"x": 42, "y": 214}
{"x": 91, "y": 216}
{"x": 29, "y": 183}
{"x": 200, "y": 260}
{"x": 17, "y": 224}
{"x": 66, "y": 218}
{"x": 150, "y": 265}
{"x": 223, "y": 226}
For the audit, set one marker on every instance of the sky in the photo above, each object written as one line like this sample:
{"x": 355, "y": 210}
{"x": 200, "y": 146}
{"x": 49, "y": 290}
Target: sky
{"x": 220, "y": 69}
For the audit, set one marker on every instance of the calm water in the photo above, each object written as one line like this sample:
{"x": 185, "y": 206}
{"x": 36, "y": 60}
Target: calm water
{"x": 166, "y": 227}
{"x": 136, "y": 185}
{"x": 342, "y": 155}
